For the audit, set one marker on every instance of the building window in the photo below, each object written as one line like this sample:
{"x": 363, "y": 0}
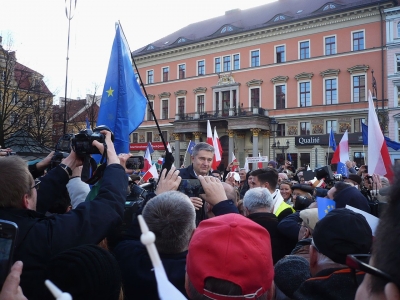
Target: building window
{"x": 398, "y": 29}
{"x": 358, "y": 40}
{"x": 164, "y": 112}
{"x": 331, "y": 124}
{"x": 305, "y": 128}
{"x": 29, "y": 101}
{"x": 255, "y": 97}
{"x": 330, "y": 45}
{"x": 358, "y": 88}
{"x": 14, "y": 99}
{"x": 397, "y": 63}
{"x": 398, "y": 96}
{"x": 236, "y": 61}
{"x": 255, "y": 58}
{"x": 281, "y": 130}
{"x": 165, "y": 74}
{"x": 305, "y": 94}
{"x": 181, "y": 107}
{"x": 200, "y": 104}
{"x": 304, "y": 50}
{"x": 280, "y": 54}
{"x": 2, "y": 75}
{"x": 42, "y": 122}
{"x": 149, "y": 114}
{"x": 201, "y": 69}
{"x": 135, "y": 137}
{"x": 150, "y": 76}
{"x": 42, "y": 103}
{"x": 280, "y": 96}
{"x": 13, "y": 118}
{"x": 182, "y": 70}
{"x": 331, "y": 91}
{"x": 217, "y": 63}
{"x": 149, "y": 136}
{"x": 357, "y": 124}
{"x": 227, "y": 63}
{"x": 165, "y": 135}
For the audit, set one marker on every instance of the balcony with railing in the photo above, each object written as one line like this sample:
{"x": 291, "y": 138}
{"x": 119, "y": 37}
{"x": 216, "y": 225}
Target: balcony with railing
{"x": 221, "y": 114}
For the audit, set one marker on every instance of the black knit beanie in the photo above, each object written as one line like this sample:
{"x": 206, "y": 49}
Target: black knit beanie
{"x": 86, "y": 272}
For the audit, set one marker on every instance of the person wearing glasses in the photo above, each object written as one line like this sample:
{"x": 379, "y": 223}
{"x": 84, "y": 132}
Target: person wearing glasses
{"x": 340, "y": 233}
{"x": 40, "y": 237}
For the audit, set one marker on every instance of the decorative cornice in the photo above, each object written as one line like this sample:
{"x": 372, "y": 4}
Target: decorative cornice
{"x": 330, "y": 72}
{"x": 164, "y": 95}
{"x": 151, "y": 96}
{"x": 358, "y": 69}
{"x": 254, "y": 82}
{"x": 180, "y": 93}
{"x": 304, "y": 75}
{"x": 200, "y": 90}
{"x": 279, "y": 79}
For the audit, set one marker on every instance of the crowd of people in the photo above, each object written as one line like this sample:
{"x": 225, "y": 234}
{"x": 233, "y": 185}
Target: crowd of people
{"x": 246, "y": 235}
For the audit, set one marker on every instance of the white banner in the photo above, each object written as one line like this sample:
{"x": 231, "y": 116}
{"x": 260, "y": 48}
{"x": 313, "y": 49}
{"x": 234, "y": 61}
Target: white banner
{"x": 256, "y": 159}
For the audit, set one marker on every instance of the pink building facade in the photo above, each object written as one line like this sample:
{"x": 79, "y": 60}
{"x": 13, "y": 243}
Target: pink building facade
{"x": 305, "y": 65}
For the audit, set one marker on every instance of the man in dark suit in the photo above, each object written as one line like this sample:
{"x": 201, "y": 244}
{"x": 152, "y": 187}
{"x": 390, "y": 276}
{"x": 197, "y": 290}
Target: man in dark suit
{"x": 202, "y": 158}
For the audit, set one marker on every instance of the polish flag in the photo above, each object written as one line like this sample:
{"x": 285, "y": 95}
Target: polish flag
{"x": 210, "y": 139}
{"x": 160, "y": 160}
{"x": 233, "y": 169}
{"x": 151, "y": 173}
{"x": 217, "y": 150}
{"x": 169, "y": 148}
{"x": 341, "y": 153}
{"x": 378, "y": 155}
{"x": 246, "y": 166}
{"x": 259, "y": 164}
{"x": 147, "y": 158}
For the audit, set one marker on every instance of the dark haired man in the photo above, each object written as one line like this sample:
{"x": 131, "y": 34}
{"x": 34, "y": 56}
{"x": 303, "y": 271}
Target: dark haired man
{"x": 268, "y": 178}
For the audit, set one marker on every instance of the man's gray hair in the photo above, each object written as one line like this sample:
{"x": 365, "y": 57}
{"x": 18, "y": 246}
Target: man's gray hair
{"x": 257, "y": 198}
{"x": 202, "y": 146}
{"x": 171, "y": 217}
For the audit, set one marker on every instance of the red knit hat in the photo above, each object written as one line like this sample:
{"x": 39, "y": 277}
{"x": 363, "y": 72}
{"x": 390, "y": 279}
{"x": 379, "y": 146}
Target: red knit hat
{"x": 233, "y": 248}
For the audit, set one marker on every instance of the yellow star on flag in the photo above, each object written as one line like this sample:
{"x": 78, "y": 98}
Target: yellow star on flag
{"x": 326, "y": 211}
{"x": 110, "y": 92}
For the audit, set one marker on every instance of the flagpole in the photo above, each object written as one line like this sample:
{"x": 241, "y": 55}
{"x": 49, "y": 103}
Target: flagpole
{"x": 145, "y": 92}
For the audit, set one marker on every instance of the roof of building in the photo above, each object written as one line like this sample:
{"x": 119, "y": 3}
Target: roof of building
{"x": 23, "y": 74}
{"x": 264, "y": 16}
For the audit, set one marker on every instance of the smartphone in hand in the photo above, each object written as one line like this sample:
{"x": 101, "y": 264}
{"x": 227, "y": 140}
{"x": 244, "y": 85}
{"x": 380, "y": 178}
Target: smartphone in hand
{"x": 8, "y": 237}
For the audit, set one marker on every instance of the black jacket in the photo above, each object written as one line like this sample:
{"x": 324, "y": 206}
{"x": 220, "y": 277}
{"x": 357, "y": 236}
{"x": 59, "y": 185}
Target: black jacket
{"x": 41, "y": 237}
{"x": 188, "y": 173}
{"x": 330, "y": 284}
{"x": 353, "y": 197}
{"x": 281, "y": 245}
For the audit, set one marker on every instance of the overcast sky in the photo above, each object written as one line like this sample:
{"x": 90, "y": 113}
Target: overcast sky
{"x": 39, "y": 32}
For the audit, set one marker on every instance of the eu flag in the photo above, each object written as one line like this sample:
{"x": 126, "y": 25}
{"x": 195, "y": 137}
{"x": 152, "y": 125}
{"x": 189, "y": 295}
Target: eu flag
{"x": 190, "y": 147}
{"x": 342, "y": 169}
{"x": 122, "y": 105}
{"x": 325, "y": 205}
{"x": 332, "y": 142}
{"x": 364, "y": 130}
{"x": 289, "y": 157}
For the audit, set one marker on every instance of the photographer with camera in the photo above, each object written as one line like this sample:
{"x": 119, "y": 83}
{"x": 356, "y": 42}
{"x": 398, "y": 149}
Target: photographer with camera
{"x": 42, "y": 237}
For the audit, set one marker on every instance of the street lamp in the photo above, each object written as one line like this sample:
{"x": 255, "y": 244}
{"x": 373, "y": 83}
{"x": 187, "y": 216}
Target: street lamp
{"x": 273, "y": 126}
{"x": 278, "y": 146}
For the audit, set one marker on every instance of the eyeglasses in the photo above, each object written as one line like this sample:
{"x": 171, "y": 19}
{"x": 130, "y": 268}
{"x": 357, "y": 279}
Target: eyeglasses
{"x": 36, "y": 185}
{"x": 360, "y": 262}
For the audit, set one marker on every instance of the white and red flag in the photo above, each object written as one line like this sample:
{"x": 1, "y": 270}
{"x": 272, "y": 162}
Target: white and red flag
{"x": 259, "y": 164}
{"x": 341, "y": 153}
{"x": 151, "y": 173}
{"x": 234, "y": 160}
{"x": 147, "y": 158}
{"x": 217, "y": 150}
{"x": 378, "y": 154}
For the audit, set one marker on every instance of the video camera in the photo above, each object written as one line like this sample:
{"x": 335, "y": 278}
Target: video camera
{"x": 62, "y": 150}
{"x": 82, "y": 141}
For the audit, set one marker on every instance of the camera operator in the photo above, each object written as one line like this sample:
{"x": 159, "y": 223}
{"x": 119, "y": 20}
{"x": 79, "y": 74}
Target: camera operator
{"x": 42, "y": 237}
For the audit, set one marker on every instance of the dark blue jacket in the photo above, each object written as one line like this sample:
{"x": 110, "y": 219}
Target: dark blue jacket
{"x": 41, "y": 237}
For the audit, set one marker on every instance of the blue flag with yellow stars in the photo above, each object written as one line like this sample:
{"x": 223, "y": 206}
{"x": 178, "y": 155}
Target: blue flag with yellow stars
{"x": 122, "y": 105}
{"x": 325, "y": 205}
